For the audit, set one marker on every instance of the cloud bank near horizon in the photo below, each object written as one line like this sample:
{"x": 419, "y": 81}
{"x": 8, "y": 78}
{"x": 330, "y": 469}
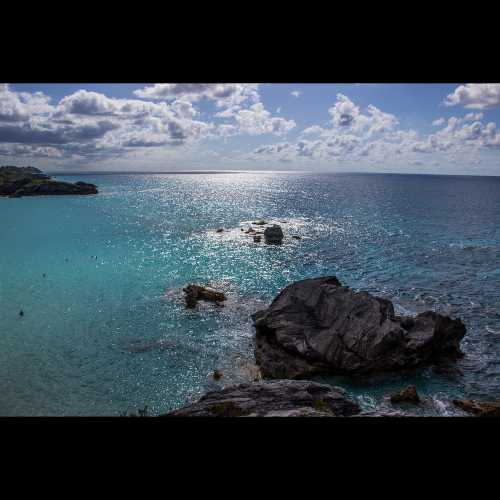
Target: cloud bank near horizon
{"x": 229, "y": 126}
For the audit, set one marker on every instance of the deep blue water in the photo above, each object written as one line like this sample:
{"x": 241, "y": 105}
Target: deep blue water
{"x": 106, "y": 331}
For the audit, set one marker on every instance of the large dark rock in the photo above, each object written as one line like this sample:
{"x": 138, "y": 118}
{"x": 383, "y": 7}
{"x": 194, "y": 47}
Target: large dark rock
{"x": 273, "y": 235}
{"x": 16, "y": 182}
{"x": 272, "y": 398}
{"x": 318, "y": 325}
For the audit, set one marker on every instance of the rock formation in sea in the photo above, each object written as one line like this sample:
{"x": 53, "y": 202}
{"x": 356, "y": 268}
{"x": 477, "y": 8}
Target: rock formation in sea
{"x": 194, "y": 293}
{"x": 317, "y": 326}
{"x": 16, "y": 182}
{"x": 283, "y": 398}
{"x": 407, "y": 395}
{"x": 273, "y": 235}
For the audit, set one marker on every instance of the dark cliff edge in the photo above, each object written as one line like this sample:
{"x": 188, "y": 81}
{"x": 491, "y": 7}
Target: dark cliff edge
{"x": 16, "y": 182}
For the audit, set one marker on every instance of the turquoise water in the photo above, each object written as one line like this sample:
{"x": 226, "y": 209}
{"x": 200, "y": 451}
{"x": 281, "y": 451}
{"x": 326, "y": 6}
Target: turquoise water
{"x": 106, "y": 332}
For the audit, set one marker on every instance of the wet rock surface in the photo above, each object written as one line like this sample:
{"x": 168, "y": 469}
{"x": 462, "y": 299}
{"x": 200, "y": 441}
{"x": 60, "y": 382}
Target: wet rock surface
{"x": 194, "y": 293}
{"x": 479, "y": 408}
{"x": 273, "y": 235}
{"x": 319, "y": 326}
{"x": 283, "y": 398}
{"x": 407, "y": 395}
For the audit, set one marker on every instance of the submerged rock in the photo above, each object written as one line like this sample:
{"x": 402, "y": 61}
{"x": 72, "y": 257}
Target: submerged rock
{"x": 278, "y": 398}
{"x": 273, "y": 235}
{"x": 317, "y": 325}
{"x": 217, "y": 375}
{"x": 407, "y": 395}
{"x": 257, "y": 239}
{"x": 16, "y": 182}
{"x": 220, "y": 230}
{"x": 479, "y": 408}
{"x": 194, "y": 293}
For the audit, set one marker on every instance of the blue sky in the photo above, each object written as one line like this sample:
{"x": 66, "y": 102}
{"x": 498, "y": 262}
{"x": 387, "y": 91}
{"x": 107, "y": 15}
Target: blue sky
{"x": 407, "y": 128}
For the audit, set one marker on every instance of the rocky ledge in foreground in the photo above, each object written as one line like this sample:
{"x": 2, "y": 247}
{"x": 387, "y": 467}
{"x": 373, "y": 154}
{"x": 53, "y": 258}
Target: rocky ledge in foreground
{"x": 29, "y": 181}
{"x": 317, "y": 325}
{"x": 479, "y": 408}
{"x": 283, "y": 398}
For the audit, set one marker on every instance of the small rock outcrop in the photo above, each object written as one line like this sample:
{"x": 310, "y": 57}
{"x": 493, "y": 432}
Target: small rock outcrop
{"x": 283, "y": 398}
{"x": 194, "y": 293}
{"x": 317, "y": 325}
{"x": 16, "y": 182}
{"x": 407, "y": 395}
{"x": 479, "y": 408}
{"x": 273, "y": 235}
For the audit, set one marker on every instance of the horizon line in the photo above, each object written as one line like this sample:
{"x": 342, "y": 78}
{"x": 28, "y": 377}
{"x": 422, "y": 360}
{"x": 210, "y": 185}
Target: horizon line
{"x": 173, "y": 172}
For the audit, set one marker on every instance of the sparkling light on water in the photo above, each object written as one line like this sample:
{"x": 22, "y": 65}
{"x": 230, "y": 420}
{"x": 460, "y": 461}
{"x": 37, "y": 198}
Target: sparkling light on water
{"x": 106, "y": 328}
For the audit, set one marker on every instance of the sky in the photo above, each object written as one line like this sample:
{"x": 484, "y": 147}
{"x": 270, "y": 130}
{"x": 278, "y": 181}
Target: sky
{"x": 403, "y": 128}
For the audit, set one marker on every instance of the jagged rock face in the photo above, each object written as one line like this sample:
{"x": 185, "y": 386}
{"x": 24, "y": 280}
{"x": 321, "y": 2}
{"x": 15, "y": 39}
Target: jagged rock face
{"x": 284, "y": 398}
{"x": 318, "y": 325}
{"x": 273, "y": 235}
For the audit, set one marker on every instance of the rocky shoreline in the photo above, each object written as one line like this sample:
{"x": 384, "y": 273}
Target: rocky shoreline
{"x": 16, "y": 182}
{"x": 317, "y": 326}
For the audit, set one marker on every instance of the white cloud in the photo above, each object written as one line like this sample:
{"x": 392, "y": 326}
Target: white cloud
{"x": 347, "y": 115}
{"x": 296, "y": 93}
{"x": 257, "y": 120}
{"x": 91, "y": 124}
{"x": 344, "y": 112}
{"x": 19, "y": 106}
{"x": 373, "y": 136}
{"x": 475, "y": 96}
{"x": 224, "y": 94}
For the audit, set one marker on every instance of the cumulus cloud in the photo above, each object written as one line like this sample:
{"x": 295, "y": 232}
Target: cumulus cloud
{"x": 475, "y": 96}
{"x": 92, "y": 124}
{"x": 33, "y": 134}
{"x": 224, "y": 94}
{"x": 345, "y": 114}
{"x": 87, "y": 124}
{"x": 257, "y": 120}
{"x": 373, "y": 135}
{"x": 296, "y": 93}
{"x": 19, "y": 106}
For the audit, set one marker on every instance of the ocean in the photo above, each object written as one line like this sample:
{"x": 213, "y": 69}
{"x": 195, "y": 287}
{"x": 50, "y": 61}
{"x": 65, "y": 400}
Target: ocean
{"x": 99, "y": 279}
